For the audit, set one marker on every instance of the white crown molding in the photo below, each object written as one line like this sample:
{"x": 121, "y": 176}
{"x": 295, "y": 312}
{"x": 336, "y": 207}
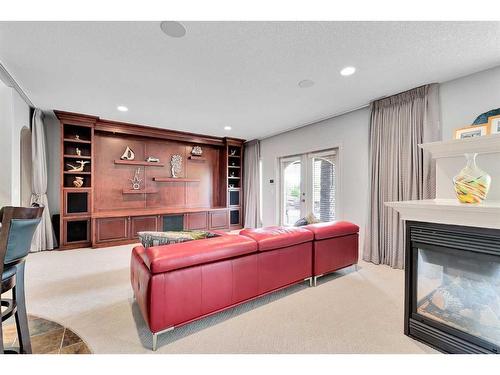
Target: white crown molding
{"x": 6, "y": 78}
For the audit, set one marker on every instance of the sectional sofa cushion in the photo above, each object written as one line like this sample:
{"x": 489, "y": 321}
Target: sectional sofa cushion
{"x": 181, "y": 255}
{"x": 326, "y": 230}
{"x": 275, "y": 237}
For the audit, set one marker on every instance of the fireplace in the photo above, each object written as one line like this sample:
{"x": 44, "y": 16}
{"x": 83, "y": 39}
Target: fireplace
{"x": 452, "y": 287}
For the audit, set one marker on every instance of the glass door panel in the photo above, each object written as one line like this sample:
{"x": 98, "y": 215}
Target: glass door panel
{"x": 323, "y": 183}
{"x": 292, "y": 207}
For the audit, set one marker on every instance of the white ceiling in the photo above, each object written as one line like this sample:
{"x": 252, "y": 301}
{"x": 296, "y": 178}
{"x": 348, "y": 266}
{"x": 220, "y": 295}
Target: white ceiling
{"x": 242, "y": 74}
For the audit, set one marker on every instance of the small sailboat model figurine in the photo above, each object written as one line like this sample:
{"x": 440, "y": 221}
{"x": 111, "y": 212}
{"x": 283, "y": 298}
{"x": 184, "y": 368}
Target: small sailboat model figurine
{"x": 128, "y": 154}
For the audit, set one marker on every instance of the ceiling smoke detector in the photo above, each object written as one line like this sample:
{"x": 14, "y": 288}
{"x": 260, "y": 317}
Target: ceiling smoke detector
{"x": 173, "y": 29}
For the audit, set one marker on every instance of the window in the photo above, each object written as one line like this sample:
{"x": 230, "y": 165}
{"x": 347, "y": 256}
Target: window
{"x": 308, "y": 185}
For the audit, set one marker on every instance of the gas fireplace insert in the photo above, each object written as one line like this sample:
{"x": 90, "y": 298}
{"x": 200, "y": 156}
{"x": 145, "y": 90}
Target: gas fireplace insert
{"x": 452, "y": 287}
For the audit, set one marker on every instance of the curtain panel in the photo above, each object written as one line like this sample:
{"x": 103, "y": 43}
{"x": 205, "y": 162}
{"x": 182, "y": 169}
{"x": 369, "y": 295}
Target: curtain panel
{"x": 44, "y": 238}
{"x": 399, "y": 169}
{"x": 251, "y": 184}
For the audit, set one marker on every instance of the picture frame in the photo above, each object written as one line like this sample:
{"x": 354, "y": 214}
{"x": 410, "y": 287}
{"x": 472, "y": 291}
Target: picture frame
{"x": 494, "y": 124}
{"x": 472, "y": 131}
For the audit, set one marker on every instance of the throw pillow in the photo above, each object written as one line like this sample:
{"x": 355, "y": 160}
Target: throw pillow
{"x": 149, "y": 239}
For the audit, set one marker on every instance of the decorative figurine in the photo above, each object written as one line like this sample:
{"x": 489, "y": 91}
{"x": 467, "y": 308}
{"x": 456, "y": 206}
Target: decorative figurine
{"x": 78, "y": 152}
{"x": 233, "y": 152}
{"x": 136, "y": 181}
{"x": 77, "y": 169}
{"x": 176, "y": 165}
{"x": 196, "y": 151}
{"x": 77, "y": 136}
{"x": 78, "y": 182}
{"x": 233, "y": 163}
{"x": 152, "y": 159}
{"x": 231, "y": 186}
{"x": 128, "y": 154}
{"x": 232, "y": 174}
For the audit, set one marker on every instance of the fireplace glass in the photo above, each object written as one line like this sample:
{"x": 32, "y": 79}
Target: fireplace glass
{"x": 460, "y": 289}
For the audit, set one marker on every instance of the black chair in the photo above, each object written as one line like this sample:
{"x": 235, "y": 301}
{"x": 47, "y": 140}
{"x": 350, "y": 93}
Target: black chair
{"x": 18, "y": 226}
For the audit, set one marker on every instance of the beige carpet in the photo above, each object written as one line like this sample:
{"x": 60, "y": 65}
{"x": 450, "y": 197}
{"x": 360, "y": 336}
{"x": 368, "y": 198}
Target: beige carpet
{"x": 88, "y": 291}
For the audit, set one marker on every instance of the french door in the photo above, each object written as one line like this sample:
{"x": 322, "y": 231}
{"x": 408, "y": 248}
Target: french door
{"x": 308, "y": 184}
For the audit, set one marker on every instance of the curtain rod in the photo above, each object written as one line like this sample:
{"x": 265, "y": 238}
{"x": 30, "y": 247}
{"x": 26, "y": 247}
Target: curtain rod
{"x": 11, "y": 82}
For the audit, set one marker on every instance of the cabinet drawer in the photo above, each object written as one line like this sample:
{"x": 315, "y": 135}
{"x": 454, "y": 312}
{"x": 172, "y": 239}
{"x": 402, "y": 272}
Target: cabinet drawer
{"x": 218, "y": 220}
{"x": 141, "y": 224}
{"x": 196, "y": 221}
{"x": 112, "y": 229}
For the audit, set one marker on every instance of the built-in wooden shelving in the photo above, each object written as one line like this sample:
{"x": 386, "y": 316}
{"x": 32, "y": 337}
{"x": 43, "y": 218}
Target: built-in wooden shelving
{"x": 74, "y": 140}
{"x": 139, "y": 162}
{"x": 82, "y": 157}
{"x": 73, "y": 172}
{"x": 131, "y": 191}
{"x": 170, "y": 179}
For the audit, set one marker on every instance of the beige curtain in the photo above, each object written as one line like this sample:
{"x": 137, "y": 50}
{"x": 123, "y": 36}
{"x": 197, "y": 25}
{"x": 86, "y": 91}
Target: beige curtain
{"x": 251, "y": 184}
{"x": 398, "y": 168}
{"x": 44, "y": 238}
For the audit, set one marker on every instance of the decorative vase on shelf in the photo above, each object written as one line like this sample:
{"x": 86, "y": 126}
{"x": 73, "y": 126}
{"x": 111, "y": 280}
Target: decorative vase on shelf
{"x": 472, "y": 183}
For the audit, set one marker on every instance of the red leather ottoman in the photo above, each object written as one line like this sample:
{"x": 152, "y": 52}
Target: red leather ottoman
{"x": 335, "y": 246}
{"x": 284, "y": 257}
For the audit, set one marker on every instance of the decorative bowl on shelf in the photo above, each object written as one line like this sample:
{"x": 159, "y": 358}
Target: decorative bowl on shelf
{"x": 472, "y": 183}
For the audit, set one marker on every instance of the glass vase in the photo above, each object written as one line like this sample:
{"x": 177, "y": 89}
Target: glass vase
{"x": 472, "y": 183}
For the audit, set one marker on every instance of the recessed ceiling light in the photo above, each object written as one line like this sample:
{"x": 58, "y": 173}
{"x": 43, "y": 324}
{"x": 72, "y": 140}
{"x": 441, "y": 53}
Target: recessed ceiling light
{"x": 122, "y": 108}
{"x": 173, "y": 28}
{"x": 348, "y": 70}
{"x": 305, "y": 83}
{"x": 227, "y": 128}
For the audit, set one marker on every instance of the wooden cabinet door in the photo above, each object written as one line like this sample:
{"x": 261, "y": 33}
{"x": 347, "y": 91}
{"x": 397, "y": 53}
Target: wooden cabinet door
{"x": 196, "y": 221}
{"x": 111, "y": 229}
{"x": 218, "y": 220}
{"x": 141, "y": 224}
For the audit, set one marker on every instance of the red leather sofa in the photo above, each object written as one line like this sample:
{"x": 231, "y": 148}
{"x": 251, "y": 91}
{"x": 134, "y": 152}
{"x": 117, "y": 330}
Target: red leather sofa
{"x": 335, "y": 247}
{"x": 176, "y": 284}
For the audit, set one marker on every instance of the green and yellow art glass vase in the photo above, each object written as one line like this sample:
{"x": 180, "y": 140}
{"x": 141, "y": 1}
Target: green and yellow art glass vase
{"x": 472, "y": 183}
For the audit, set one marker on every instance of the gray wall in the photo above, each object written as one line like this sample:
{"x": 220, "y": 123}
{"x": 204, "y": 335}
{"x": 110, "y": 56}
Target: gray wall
{"x": 14, "y": 116}
{"x": 463, "y": 99}
{"x": 348, "y": 132}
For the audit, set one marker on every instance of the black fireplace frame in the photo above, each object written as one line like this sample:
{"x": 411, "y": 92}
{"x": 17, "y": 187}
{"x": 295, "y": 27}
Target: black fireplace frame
{"x": 443, "y": 238}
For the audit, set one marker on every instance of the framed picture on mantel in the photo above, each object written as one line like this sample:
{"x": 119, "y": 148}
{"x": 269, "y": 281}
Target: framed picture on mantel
{"x": 494, "y": 124}
{"x": 472, "y": 131}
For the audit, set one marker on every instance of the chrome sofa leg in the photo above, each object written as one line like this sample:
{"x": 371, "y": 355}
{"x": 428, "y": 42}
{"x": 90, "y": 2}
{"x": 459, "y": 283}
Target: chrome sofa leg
{"x": 310, "y": 279}
{"x": 155, "y": 337}
{"x": 315, "y": 279}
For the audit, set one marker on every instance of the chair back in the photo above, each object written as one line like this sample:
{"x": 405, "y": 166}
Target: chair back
{"x": 18, "y": 227}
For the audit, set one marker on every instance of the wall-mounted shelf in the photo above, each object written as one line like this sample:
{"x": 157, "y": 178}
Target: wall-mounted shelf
{"x": 130, "y": 191}
{"x": 72, "y": 172}
{"x": 196, "y": 158}
{"x": 234, "y": 156}
{"x": 74, "y": 140}
{"x": 170, "y": 179}
{"x": 139, "y": 162}
{"x": 233, "y": 178}
{"x": 77, "y": 157}
{"x": 233, "y": 166}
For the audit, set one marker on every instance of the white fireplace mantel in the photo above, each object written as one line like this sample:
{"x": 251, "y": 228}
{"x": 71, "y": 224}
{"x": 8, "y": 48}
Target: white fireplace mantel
{"x": 446, "y": 209}
{"x": 450, "y": 211}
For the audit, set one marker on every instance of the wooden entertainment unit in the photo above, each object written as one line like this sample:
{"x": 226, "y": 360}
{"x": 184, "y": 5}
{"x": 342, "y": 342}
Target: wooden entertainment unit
{"x": 106, "y": 211}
